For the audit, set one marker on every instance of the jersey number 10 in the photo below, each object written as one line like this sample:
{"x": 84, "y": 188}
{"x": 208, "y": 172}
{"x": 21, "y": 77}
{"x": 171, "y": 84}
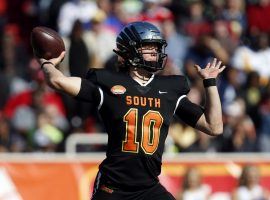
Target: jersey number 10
{"x": 151, "y": 124}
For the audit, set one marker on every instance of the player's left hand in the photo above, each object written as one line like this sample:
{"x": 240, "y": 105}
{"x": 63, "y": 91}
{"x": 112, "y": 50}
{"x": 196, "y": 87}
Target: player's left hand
{"x": 212, "y": 70}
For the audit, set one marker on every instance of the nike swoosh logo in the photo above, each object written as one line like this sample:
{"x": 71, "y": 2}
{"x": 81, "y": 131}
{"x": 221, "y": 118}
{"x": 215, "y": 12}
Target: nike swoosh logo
{"x": 161, "y": 92}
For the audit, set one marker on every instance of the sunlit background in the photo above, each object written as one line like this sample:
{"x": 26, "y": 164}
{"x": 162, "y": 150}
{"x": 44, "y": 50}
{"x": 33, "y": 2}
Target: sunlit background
{"x": 51, "y": 144}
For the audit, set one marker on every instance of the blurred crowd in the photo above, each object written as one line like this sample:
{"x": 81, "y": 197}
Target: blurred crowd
{"x": 248, "y": 186}
{"x": 35, "y": 118}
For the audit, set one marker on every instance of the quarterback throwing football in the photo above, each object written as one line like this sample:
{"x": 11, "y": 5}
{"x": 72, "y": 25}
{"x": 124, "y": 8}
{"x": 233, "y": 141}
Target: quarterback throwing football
{"x": 137, "y": 106}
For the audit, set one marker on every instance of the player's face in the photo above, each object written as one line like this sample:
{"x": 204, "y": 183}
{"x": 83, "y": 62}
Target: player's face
{"x": 150, "y": 52}
{"x": 252, "y": 175}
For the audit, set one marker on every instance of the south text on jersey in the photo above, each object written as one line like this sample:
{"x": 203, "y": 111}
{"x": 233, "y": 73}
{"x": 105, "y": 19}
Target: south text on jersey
{"x": 143, "y": 101}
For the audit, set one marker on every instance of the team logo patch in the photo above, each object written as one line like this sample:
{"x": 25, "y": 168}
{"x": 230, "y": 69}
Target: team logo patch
{"x": 118, "y": 89}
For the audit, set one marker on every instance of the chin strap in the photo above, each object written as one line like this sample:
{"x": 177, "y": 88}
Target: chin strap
{"x": 152, "y": 66}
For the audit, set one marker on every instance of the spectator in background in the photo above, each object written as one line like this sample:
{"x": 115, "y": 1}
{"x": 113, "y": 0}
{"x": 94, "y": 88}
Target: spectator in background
{"x": 24, "y": 15}
{"x": 5, "y": 89}
{"x": 195, "y": 24}
{"x": 239, "y": 130}
{"x": 5, "y": 135}
{"x": 205, "y": 48}
{"x": 178, "y": 43}
{"x": 215, "y": 42}
{"x": 222, "y": 41}
{"x": 203, "y": 143}
{"x": 73, "y": 10}
{"x": 78, "y": 49}
{"x": 116, "y": 15}
{"x": 3, "y": 20}
{"x": 105, "y": 6}
{"x": 9, "y": 140}
{"x": 258, "y": 14}
{"x": 252, "y": 94}
{"x": 249, "y": 185}
{"x": 230, "y": 85}
{"x": 49, "y": 12}
{"x": 15, "y": 53}
{"x": 182, "y": 136}
{"x": 234, "y": 14}
{"x": 244, "y": 137}
{"x": 99, "y": 40}
{"x": 178, "y": 9}
{"x": 192, "y": 186}
{"x": 198, "y": 53}
{"x": 254, "y": 57}
{"x": 46, "y": 136}
{"x": 264, "y": 130}
{"x": 214, "y": 9}
{"x": 154, "y": 12}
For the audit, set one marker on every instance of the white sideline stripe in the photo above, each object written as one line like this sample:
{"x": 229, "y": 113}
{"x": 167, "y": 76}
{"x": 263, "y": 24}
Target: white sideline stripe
{"x": 7, "y": 187}
{"x": 178, "y": 101}
{"x": 81, "y": 138}
{"x": 101, "y": 98}
{"x": 97, "y": 157}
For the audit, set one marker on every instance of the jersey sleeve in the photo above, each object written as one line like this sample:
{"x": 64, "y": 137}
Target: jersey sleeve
{"x": 89, "y": 90}
{"x": 187, "y": 111}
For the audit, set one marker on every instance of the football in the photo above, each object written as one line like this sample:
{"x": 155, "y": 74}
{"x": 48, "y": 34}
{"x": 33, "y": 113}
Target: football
{"x": 46, "y": 43}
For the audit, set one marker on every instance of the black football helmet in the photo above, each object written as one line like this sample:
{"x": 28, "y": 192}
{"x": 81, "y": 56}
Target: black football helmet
{"x": 135, "y": 35}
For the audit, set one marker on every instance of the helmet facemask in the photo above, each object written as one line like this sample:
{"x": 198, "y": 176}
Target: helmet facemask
{"x": 154, "y": 65}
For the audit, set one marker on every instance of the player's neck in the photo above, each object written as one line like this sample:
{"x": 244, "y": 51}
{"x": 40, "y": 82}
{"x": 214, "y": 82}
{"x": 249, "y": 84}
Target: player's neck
{"x": 140, "y": 75}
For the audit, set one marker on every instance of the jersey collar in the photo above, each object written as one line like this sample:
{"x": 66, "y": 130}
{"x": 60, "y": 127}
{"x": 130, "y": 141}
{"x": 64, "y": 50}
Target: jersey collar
{"x": 147, "y": 83}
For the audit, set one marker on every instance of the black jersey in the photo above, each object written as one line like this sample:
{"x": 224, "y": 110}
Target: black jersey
{"x": 136, "y": 118}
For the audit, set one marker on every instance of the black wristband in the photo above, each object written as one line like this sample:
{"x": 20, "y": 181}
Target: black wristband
{"x": 209, "y": 82}
{"x": 46, "y": 62}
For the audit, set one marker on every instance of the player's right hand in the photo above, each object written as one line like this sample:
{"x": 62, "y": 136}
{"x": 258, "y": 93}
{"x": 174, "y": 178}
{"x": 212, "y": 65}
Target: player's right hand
{"x": 54, "y": 61}
{"x": 212, "y": 70}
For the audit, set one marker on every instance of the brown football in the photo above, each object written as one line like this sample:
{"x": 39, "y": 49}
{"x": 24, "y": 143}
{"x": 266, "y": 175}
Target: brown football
{"x": 46, "y": 43}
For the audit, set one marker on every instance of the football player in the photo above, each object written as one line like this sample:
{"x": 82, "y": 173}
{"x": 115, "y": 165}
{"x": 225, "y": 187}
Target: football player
{"x": 137, "y": 106}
